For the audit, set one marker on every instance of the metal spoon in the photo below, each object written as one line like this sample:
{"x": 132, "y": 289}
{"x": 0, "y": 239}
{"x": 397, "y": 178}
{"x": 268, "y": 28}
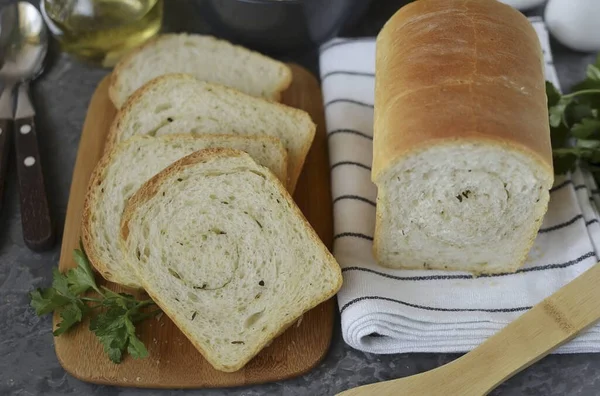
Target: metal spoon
{"x": 23, "y": 61}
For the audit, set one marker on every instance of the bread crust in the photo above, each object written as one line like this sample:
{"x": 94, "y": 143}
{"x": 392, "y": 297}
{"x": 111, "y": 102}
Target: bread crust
{"x": 152, "y": 187}
{"x": 114, "y": 134}
{"x": 91, "y": 197}
{"x": 122, "y": 65}
{"x": 94, "y": 194}
{"x": 455, "y": 71}
{"x": 451, "y": 70}
{"x": 126, "y": 61}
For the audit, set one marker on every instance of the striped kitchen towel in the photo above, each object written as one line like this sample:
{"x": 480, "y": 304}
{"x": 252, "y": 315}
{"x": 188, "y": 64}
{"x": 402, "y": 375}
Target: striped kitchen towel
{"x": 395, "y": 311}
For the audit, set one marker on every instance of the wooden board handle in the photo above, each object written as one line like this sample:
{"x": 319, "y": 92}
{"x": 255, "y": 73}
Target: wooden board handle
{"x": 38, "y": 232}
{"x": 549, "y": 324}
{"x": 533, "y": 335}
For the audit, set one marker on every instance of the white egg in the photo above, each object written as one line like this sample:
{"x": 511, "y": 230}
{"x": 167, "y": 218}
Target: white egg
{"x": 575, "y": 23}
{"x": 523, "y": 4}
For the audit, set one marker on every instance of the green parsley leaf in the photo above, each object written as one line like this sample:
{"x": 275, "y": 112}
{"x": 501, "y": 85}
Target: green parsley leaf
{"x": 116, "y": 330}
{"x": 47, "y": 300}
{"x": 113, "y": 315}
{"x": 564, "y": 161}
{"x": 552, "y": 94}
{"x": 586, "y": 85}
{"x": 575, "y": 123}
{"x": 579, "y": 111}
{"x": 557, "y": 112}
{"x": 71, "y": 314}
{"x": 60, "y": 283}
{"x": 590, "y": 82}
{"x": 59, "y": 298}
{"x": 135, "y": 348}
{"x": 81, "y": 278}
{"x": 593, "y": 73}
{"x": 587, "y": 144}
{"x": 110, "y": 329}
{"x": 586, "y": 128}
{"x": 559, "y": 136}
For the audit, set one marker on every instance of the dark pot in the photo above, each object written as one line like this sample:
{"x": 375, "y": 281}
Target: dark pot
{"x": 278, "y": 26}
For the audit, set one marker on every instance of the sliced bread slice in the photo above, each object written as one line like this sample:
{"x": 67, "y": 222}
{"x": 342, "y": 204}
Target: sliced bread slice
{"x": 205, "y": 57}
{"x": 119, "y": 174}
{"x": 180, "y": 102}
{"x": 222, "y": 248}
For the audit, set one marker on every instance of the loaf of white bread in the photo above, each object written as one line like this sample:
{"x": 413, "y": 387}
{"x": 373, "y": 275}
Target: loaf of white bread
{"x": 121, "y": 172}
{"x": 178, "y": 103}
{"x": 206, "y": 58}
{"x": 461, "y": 152}
{"x": 221, "y": 247}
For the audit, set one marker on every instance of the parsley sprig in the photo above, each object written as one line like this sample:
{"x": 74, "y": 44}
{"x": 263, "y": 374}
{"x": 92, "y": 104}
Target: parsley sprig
{"x": 575, "y": 123}
{"x": 113, "y": 316}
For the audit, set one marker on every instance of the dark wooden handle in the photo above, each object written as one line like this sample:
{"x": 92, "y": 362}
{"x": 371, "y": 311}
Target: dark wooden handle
{"x": 5, "y": 132}
{"x": 38, "y": 231}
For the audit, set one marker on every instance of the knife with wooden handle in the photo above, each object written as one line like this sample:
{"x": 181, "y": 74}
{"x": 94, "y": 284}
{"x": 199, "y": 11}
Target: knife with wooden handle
{"x": 38, "y": 232}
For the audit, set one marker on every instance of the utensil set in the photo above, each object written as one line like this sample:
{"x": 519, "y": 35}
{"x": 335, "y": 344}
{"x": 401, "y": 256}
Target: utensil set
{"x": 26, "y": 41}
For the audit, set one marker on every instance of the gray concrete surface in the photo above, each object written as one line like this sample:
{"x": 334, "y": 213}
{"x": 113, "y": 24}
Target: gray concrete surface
{"x": 28, "y": 365}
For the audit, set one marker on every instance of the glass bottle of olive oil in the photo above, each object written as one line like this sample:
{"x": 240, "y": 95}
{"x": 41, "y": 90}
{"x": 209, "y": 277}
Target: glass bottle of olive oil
{"x": 102, "y": 31}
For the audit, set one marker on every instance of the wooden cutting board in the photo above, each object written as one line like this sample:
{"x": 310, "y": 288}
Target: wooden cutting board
{"x": 173, "y": 361}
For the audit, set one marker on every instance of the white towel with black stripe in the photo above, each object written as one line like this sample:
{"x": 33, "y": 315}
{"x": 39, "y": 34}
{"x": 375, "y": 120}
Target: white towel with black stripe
{"x": 398, "y": 311}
